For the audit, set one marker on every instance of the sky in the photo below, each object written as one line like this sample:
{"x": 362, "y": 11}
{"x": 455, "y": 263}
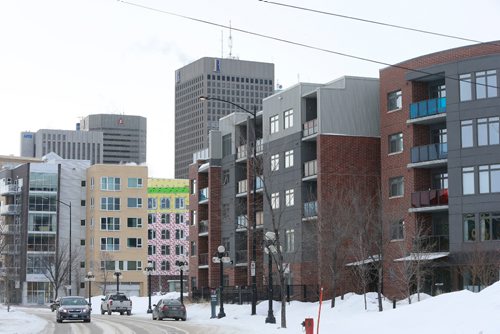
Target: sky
{"x": 61, "y": 60}
{"x": 461, "y": 312}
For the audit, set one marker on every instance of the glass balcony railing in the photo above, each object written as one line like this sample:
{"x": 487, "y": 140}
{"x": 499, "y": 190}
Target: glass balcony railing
{"x": 203, "y": 195}
{"x": 241, "y": 222}
{"x": 429, "y": 198}
{"x": 310, "y": 209}
{"x": 428, "y": 107}
{"x": 429, "y": 152}
{"x": 311, "y": 168}
{"x": 310, "y": 128}
{"x": 203, "y": 227}
{"x": 432, "y": 243}
{"x": 241, "y": 152}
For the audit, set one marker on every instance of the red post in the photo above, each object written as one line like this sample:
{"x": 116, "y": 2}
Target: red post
{"x": 319, "y": 311}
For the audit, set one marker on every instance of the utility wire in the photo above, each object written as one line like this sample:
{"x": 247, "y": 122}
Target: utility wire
{"x": 312, "y": 47}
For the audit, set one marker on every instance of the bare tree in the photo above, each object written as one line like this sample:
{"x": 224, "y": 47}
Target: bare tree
{"x": 481, "y": 266}
{"x": 56, "y": 268}
{"x": 106, "y": 274}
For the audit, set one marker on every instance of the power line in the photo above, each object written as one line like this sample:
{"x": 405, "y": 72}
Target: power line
{"x": 312, "y": 47}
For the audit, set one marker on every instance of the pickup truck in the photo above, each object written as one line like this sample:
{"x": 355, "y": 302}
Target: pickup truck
{"x": 116, "y": 302}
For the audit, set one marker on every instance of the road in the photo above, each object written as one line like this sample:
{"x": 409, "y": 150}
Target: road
{"x": 120, "y": 324}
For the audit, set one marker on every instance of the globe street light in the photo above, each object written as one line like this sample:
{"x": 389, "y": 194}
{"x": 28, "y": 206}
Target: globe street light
{"x": 148, "y": 272}
{"x": 90, "y": 278}
{"x": 117, "y": 274}
{"x": 270, "y": 248}
{"x": 182, "y": 263}
{"x": 254, "y": 186}
{"x": 221, "y": 257}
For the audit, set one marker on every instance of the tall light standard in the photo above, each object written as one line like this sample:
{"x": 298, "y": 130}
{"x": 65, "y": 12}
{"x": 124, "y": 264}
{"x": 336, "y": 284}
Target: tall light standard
{"x": 221, "y": 257}
{"x": 117, "y": 274}
{"x": 90, "y": 278}
{"x": 148, "y": 272}
{"x": 254, "y": 188}
{"x": 182, "y": 263}
{"x": 270, "y": 240}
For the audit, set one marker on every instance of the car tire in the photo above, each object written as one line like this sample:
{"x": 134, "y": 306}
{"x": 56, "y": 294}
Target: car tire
{"x": 176, "y": 319}
{"x": 109, "y": 311}
{"x": 86, "y": 320}
{"x": 183, "y": 319}
{"x": 159, "y": 318}
{"x": 58, "y": 320}
{"x": 102, "y": 311}
{"x": 129, "y": 312}
{"x": 121, "y": 313}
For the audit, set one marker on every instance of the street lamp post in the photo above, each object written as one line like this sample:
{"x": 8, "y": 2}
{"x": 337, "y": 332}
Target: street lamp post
{"x": 90, "y": 278}
{"x": 254, "y": 186}
{"x": 148, "y": 272}
{"x": 270, "y": 239}
{"x": 182, "y": 263}
{"x": 221, "y": 257}
{"x": 117, "y": 274}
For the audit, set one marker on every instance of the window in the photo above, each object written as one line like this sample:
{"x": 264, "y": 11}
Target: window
{"x": 107, "y": 265}
{"x": 275, "y": 162}
{"x": 134, "y": 265}
{"x": 179, "y": 203}
{"x": 134, "y": 222}
{"x": 396, "y": 186}
{"x": 468, "y": 181}
{"x": 82, "y": 222}
{"x": 110, "y": 203}
{"x": 490, "y": 226}
{"x": 179, "y": 234}
{"x": 82, "y": 242}
{"x": 396, "y": 143}
{"x": 489, "y": 179}
{"x": 110, "y": 224}
{"x": 165, "y": 218}
{"x": 226, "y": 145}
{"x": 289, "y": 197}
{"x": 165, "y": 265}
{"x": 394, "y": 100}
{"x": 193, "y": 187}
{"x": 134, "y": 242}
{"x": 288, "y": 118}
{"x": 179, "y": 249}
{"x": 152, "y": 203}
{"x": 82, "y": 202}
{"x": 275, "y": 200}
{"x": 134, "y": 202}
{"x": 151, "y": 234}
{"x": 165, "y": 234}
{"x": 397, "y": 230}
{"x": 164, "y": 203}
{"x": 289, "y": 159}
{"x": 486, "y": 84}
{"x": 488, "y": 131}
{"x": 134, "y": 182}
{"x": 465, "y": 87}
{"x": 165, "y": 249}
{"x": 225, "y": 176}
{"x": 151, "y": 218}
{"x": 110, "y": 244}
{"x": 151, "y": 250}
{"x": 193, "y": 248}
{"x": 179, "y": 218}
{"x": 274, "y": 124}
{"x": 110, "y": 183}
{"x": 290, "y": 241}
{"x": 469, "y": 227}
{"x": 467, "y": 134}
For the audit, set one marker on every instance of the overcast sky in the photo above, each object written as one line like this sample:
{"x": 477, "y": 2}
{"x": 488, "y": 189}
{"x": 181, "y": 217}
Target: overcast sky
{"x": 61, "y": 60}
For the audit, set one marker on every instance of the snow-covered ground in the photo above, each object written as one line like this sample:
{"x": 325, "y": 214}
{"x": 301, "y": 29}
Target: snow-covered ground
{"x": 457, "y": 312}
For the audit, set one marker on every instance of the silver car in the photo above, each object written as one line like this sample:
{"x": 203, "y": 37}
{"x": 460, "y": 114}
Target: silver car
{"x": 73, "y": 308}
{"x": 169, "y": 308}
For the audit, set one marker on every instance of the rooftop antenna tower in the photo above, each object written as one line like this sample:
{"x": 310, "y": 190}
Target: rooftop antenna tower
{"x": 222, "y": 43}
{"x": 230, "y": 41}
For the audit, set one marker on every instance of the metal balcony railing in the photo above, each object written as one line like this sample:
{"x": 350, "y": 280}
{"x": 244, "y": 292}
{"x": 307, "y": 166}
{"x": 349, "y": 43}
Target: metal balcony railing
{"x": 311, "y": 168}
{"x": 260, "y": 145}
{"x": 10, "y": 209}
{"x": 310, "y": 128}
{"x": 10, "y": 189}
{"x": 432, "y": 243}
{"x": 203, "y": 195}
{"x": 203, "y": 227}
{"x": 310, "y": 209}
{"x": 241, "y": 222}
{"x": 241, "y": 152}
{"x": 429, "y": 152}
{"x": 428, "y": 198}
{"x": 428, "y": 108}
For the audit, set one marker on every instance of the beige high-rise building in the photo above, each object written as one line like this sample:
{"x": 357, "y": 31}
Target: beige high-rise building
{"x": 116, "y": 230}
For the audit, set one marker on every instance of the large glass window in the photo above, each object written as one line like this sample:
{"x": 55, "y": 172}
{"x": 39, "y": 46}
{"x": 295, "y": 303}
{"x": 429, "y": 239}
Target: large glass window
{"x": 135, "y": 182}
{"x": 179, "y": 203}
{"x": 486, "y": 84}
{"x": 394, "y": 100}
{"x": 164, "y": 203}
{"x": 226, "y": 145}
{"x": 467, "y": 134}
{"x": 289, "y": 197}
{"x": 488, "y": 131}
{"x": 274, "y": 124}
{"x": 134, "y": 222}
{"x": 134, "y": 242}
{"x": 465, "y": 87}
{"x": 275, "y": 200}
{"x": 288, "y": 118}
{"x": 490, "y": 226}
{"x": 134, "y": 202}
{"x": 110, "y": 244}
{"x": 289, "y": 159}
{"x": 397, "y": 230}
{"x": 110, "y": 224}
{"x": 396, "y": 186}
{"x": 110, "y": 183}
{"x": 165, "y": 249}
{"x": 275, "y": 162}
{"x": 469, "y": 227}
{"x": 165, "y": 234}
{"x": 43, "y": 181}
{"x": 290, "y": 240}
{"x": 489, "y": 179}
{"x": 152, "y": 203}
{"x": 468, "y": 187}
{"x": 396, "y": 143}
{"x": 110, "y": 203}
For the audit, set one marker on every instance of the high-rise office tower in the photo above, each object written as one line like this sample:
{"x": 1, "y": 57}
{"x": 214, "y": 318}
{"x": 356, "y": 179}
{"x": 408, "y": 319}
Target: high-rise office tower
{"x": 244, "y": 83}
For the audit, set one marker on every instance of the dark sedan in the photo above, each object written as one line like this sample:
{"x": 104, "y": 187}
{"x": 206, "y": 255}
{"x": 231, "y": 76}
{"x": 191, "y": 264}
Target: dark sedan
{"x": 169, "y": 308}
{"x": 73, "y": 308}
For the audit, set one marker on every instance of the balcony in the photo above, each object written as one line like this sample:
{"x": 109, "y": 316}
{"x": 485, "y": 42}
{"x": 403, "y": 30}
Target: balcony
{"x": 241, "y": 223}
{"x": 432, "y": 243}
{"x": 242, "y": 187}
{"x": 203, "y": 260}
{"x": 428, "y": 108}
{"x": 310, "y": 128}
{"x": 203, "y": 196}
{"x": 241, "y": 257}
{"x": 260, "y": 145}
{"x": 241, "y": 152}
{"x": 9, "y": 189}
{"x": 431, "y": 155}
{"x": 310, "y": 169}
{"x": 429, "y": 200}
{"x": 203, "y": 228}
{"x": 10, "y": 209}
{"x": 310, "y": 210}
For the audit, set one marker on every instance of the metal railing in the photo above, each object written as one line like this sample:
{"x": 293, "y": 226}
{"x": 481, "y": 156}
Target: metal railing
{"x": 241, "y": 152}
{"x": 429, "y": 152}
{"x": 310, "y": 209}
{"x": 241, "y": 222}
{"x": 432, "y": 243}
{"x": 203, "y": 227}
{"x": 428, "y": 107}
{"x": 10, "y": 189}
{"x": 10, "y": 209}
{"x": 311, "y": 168}
{"x": 428, "y": 198}
{"x": 310, "y": 128}
{"x": 203, "y": 195}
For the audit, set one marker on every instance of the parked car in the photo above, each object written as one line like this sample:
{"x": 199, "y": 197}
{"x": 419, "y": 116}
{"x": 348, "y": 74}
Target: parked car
{"x": 73, "y": 308}
{"x": 169, "y": 308}
{"x": 116, "y": 302}
{"x": 54, "y": 304}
